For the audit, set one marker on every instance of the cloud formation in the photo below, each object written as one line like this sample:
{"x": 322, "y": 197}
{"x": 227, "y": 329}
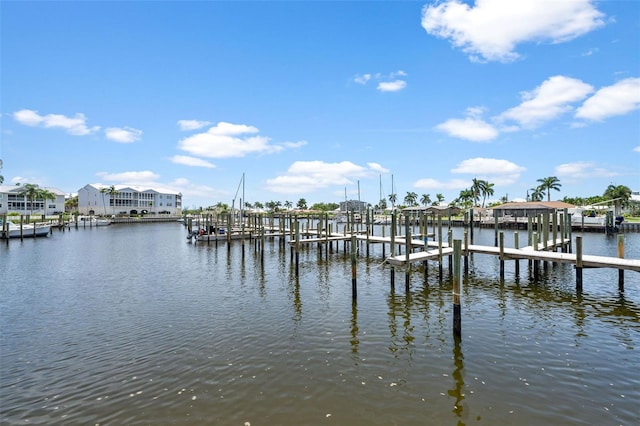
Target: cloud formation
{"x": 131, "y": 178}
{"x": 556, "y": 96}
{"x": 490, "y": 30}
{"x": 76, "y": 125}
{"x": 617, "y": 99}
{"x": 392, "y": 82}
{"x": 123, "y": 135}
{"x": 226, "y": 140}
{"x": 551, "y": 99}
{"x": 192, "y": 124}
{"x": 191, "y": 161}
{"x": 473, "y": 129}
{"x": 309, "y": 176}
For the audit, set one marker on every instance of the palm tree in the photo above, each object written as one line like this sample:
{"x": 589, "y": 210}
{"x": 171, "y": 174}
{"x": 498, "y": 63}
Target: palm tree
{"x": 477, "y": 188}
{"x": 425, "y": 199}
{"x": 549, "y": 183}
{"x": 104, "y": 190}
{"x": 71, "y": 204}
{"x": 221, "y": 207}
{"x": 487, "y": 190}
{"x": 112, "y": 197}
{"x": 537, "y": 194}
{"x": 619, "y": 195}
{"x": 33, "y": 193}
{"x": 465, "y": 199}
{"x": 288, "y": 205}
{"x": 439, "y": 198}
{"x": 410, "y": 199}
{"x": 302, "y": 204}
{"x": 30, "y": 192}
{"x": 1, "y": 179}
{"x": 392, "y": 199}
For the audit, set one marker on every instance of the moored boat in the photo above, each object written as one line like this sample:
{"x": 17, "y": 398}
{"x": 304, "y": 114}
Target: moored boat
{"x": 27, "y": 230}
{"x": 89, "y": 221}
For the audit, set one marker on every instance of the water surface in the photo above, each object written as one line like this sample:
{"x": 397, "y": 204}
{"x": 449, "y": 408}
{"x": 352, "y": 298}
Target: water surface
{"x": 131, "y": 324}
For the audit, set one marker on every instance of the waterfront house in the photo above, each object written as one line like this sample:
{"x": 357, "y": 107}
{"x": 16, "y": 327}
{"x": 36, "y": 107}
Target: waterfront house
{"x": 94, "y": 199}
{"x": 11, "y": 201}
{"x": 523, "y": 209}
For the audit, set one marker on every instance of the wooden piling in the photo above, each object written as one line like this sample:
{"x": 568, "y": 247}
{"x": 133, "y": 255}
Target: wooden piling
{"x": 579, "y": 264}
{"x": 457, "y": 310}
{"x": 407, "y": 237}
{"x": 621, "y": 256}
{"x": 501, "y": 242}
{"x": 354, "y": 267}
{"x": 516, "y": 244}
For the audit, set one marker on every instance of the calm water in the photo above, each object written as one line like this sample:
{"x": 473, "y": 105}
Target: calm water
{"x": 131, "y": 324}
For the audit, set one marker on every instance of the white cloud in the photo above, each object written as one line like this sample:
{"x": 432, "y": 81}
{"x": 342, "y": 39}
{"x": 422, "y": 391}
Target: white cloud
{"x": 435, "y": 184}
{"x": 391, "y": 86}
{"x": 191, "y": 161}
{"x": 386, "y": 82}
{"x": 226, "y": 140}
{"x": 618, "y": 99}
{"x": 472, "y": 129}
{"x": 192, "y": 124}
{"x": 144, "y": 178}
{"x": 491, "y": 29}
{"x": 294, "y": 144}
{"x": 378, "y": 168}
{"x": 73, "y": 125}
{"x": 497, "y": 171}
{"x": 308, "y": 176}
{"x": 581, "y": 170}
{"x": 123, "y": 135}
{"x": 547, "y": 101}
{"x": 362, "y": 79}
{"x": 637, "y": 148}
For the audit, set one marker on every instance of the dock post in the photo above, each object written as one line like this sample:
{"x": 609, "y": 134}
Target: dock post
{"x": 354, "y": 286}
{"x": 621, "y": 256}
{"x": 530, "y": 233}
{"x": 495, "y": 230}
{"x": 516, "y": 244}
{"x": 440, "y": 247}
{"x": 536, "y": 262}
{"x": 502, "y": 255}
{"x": 471, "y": 224}
{"x": 392, "y": 248}
{"x": 297, "y": 248}
{"x": 408, "y": 250}
{"x": 457, "y": 318}
{"x": 466, "y": 252}
{"x": 554, "y": 230}
{"x": 450, "y": 244}
{"x": 579, "y": 264}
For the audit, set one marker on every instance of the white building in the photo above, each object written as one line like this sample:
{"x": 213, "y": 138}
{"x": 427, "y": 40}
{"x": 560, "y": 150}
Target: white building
{"x": 127, "y": 199}
{"x": 11, "y": 201}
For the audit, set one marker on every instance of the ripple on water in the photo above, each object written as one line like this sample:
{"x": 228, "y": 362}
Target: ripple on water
{"x": 133, "y": 330}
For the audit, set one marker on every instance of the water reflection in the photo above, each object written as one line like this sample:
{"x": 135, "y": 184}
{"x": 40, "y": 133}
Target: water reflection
{"x": 457, "y": 392}
{"x": 354, "y": 328}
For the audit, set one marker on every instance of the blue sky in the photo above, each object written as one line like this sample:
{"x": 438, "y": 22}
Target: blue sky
{"x": 320, "y": 99}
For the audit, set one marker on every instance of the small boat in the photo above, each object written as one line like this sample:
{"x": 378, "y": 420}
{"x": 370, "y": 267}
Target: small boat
{"x": 218, "y": 235}
{"x": 28, "y": 230}
{"x": 89, "y": 221}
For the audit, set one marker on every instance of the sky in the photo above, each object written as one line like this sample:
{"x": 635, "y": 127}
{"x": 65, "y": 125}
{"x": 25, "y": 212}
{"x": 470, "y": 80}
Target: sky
{"x": 321, "y": 100}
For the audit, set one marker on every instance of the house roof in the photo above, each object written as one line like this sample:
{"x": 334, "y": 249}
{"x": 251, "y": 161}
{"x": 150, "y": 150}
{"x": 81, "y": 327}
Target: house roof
{"x": 5, "y": 189}
{"x": 439, "y": 210}
{"x": 533, "y": 205}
